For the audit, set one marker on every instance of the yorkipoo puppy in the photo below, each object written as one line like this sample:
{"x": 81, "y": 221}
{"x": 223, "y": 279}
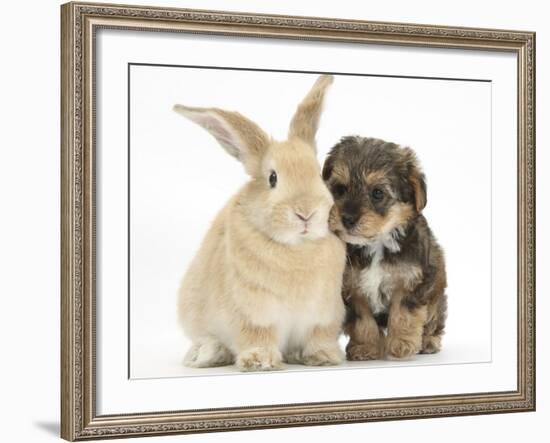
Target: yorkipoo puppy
{"x": 395, "y": 279}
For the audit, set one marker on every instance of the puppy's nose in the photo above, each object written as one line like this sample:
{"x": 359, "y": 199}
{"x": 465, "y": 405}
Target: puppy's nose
{"x": 349, "y": 220}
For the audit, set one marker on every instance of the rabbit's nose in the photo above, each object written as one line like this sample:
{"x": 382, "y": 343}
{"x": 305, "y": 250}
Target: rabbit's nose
{"x": 303, "y": 217}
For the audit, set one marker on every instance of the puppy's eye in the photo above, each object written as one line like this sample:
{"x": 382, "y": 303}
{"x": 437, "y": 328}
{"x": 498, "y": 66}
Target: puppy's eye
{"x": 377, "y": 194}
{"x": 273, "y": 179}
{"x": 339, "y": 190}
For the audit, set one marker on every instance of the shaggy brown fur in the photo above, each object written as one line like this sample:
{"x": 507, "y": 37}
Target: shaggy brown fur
{"x": 395, "y": 280}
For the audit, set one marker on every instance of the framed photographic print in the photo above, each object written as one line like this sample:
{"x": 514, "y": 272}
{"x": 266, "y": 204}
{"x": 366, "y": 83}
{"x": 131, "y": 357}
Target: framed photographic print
{"x": 283, "y": 221}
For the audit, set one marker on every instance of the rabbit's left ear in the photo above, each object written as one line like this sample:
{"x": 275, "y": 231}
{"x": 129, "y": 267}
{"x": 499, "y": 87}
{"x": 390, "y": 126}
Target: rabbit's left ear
{"x": 305, "y": 122}
{"x": 238, "y": 135}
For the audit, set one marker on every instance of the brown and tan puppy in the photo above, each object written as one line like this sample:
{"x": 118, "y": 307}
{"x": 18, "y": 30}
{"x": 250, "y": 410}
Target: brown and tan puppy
{"x": 395, "y": 280}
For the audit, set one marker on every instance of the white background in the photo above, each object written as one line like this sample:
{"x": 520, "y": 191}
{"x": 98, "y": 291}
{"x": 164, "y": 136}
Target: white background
{"x": 180, "y": 178}
{"x": 30, "y": 221}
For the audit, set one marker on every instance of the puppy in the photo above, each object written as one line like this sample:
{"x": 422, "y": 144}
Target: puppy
{"x": 395, "y": 280}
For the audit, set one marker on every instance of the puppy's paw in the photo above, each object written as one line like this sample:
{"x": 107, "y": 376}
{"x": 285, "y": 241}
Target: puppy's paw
{"x": 260, "y": 359}
{"x": 362, "y": 352}
{"x": 329, "y": 356}
{"x": 400, "y": 348}
{"x": 431, "y": 344}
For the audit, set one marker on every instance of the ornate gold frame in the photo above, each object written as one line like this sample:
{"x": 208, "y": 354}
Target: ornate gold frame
{"x": 79, "y": 21}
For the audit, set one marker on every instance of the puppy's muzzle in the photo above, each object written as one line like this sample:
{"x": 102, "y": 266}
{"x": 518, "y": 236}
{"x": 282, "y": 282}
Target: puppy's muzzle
{"x": 351, "y": 212}
{"x": 349, "y": 220}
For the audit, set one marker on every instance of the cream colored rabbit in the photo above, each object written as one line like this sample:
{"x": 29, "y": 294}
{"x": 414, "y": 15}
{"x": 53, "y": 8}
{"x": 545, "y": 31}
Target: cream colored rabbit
{"x": 265, "y": 285}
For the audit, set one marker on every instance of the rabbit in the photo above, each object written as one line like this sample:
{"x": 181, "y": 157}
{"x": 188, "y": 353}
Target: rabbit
{"x": 264, "y": 288}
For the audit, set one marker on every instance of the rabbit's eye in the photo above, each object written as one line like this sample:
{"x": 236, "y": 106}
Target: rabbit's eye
{"x": 273, "y": 179}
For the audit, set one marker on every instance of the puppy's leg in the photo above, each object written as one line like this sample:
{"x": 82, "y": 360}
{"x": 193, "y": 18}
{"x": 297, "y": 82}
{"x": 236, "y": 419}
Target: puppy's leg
{"x": 258, "y": 349}
{"x": 321, "y": 347}
{"x": 435, "y": 326}
{"x": 405, "y": 329}
{"x": 365, "y": 337}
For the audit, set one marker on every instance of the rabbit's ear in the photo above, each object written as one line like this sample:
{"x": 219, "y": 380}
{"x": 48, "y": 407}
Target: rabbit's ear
{"x": 239, "y": 136}
{"x": 305, "y": 122}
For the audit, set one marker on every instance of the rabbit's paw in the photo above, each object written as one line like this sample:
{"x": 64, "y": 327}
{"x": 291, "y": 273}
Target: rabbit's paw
{"x": 207, "y": 355}
{"x": 260, "y": 359}
{"x": 329, "y": 356}
{"x": 293, "y": 357}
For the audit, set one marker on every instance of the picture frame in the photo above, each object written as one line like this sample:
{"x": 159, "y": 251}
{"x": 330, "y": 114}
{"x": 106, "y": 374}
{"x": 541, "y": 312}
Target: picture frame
{"x": 80, "y": 24}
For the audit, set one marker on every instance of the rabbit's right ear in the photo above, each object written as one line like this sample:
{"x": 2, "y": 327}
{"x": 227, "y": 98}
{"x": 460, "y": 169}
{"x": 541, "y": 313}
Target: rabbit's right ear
{"x": 305, "y": 122}
{"x": 239, "y": 136}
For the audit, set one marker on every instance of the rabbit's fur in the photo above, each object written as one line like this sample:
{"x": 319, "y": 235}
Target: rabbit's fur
{"x": 265, "y": 285}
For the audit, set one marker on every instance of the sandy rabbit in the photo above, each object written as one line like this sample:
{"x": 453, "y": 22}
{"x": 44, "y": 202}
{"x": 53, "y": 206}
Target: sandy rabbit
{"x": 265, "y": 285}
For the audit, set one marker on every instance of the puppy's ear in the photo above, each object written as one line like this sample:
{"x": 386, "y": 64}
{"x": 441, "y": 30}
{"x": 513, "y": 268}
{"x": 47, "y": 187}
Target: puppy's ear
{"x": 305, "y": 122}
{"x": 417, "y": 181}
{"x": 238, "y": 135}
